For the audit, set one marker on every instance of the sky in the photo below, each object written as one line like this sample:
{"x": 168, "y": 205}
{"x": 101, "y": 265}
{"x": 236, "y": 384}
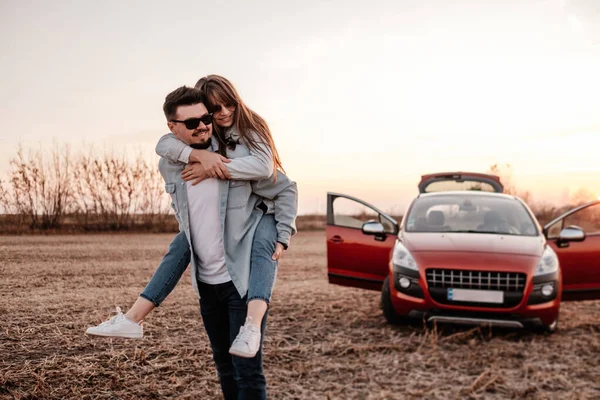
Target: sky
{"x": 362, "y": 97}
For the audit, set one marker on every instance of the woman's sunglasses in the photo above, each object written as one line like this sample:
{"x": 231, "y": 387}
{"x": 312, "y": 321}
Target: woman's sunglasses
{"x": 218, "y": 108}
{"x": 193, "y": 123}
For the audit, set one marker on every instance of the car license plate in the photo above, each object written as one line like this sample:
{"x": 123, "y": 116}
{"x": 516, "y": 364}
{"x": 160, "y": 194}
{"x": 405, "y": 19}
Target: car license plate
{"x": 478, "y": 296}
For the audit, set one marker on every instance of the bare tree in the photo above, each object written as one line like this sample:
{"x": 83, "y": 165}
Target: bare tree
{"x": 154, "y": 205}
{"x": 39, "y": 186}
{"x": 582, "y": 196}
{"x": 113, "y": 192}
{"x": 505, "y": 173}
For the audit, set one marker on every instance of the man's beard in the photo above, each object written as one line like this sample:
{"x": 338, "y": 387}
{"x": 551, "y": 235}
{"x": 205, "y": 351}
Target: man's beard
{"x": 201, "y": 146}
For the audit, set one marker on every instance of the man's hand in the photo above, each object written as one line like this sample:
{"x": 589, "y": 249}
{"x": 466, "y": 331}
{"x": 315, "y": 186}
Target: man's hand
{"x": 194, "y": 172}
{"x": 278, "y": 251}
{"x": 212, "y": 163}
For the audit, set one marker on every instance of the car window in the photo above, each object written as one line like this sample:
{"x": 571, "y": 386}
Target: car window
{"x": 587, "y": 219}
{"x": 351, "y": 214}
{"x": 470, "y": 213}
{"x": 554, "y": 230}
{"x": 348, "y": 213}
{"x": 388, "y": 226}
{"x": 447, "y": 186}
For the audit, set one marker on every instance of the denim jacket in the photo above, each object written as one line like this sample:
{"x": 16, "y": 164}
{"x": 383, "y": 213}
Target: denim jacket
{"x": 239, "y": 214}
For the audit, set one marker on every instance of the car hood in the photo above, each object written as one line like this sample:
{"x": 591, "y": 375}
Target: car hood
{"x": 473, "y": 243}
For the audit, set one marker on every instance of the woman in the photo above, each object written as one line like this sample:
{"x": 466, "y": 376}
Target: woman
{"x": 246, "y": 138}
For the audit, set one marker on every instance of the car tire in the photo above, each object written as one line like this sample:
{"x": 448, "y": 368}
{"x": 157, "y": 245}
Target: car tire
{"x": 386, "y": 304}
{"x": 552, "y": 328}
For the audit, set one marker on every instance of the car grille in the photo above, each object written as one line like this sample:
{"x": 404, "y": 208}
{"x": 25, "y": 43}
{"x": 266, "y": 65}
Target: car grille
{"x": 511, "y": 283}
{"x": 482, "y": 280}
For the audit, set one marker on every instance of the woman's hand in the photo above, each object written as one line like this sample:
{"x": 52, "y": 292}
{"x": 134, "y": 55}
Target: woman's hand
{"x": 194, "y": 172}
{"x": 278, "y": 251}
{"x": 213, "y": 163}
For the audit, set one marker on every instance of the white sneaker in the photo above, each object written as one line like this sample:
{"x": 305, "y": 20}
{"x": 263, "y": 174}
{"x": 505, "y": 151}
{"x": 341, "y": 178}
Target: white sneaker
{"x": 247, "y": 342}
{"x": 117, "y": 326}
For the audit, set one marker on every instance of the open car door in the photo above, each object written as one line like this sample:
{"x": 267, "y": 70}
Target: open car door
{"x": 354, "y": 257}
{"x": 448, "y": 181}
{"x": 580, "y": 257}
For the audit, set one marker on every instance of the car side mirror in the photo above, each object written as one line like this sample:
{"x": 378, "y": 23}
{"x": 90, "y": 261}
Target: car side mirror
{"x": 572, "y": 233}
{"x": 374, "y": 228}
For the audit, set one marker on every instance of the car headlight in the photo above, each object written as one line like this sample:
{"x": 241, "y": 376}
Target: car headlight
{"x": 548, "y": 262}
{"x": 403, "y": 258}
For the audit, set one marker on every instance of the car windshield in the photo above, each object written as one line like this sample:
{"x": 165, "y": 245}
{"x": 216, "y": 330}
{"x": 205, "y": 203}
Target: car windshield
{"x": 470, "y": 214}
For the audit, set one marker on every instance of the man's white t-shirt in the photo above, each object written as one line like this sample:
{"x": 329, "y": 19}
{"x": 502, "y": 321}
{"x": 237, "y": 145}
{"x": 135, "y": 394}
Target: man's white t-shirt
{"x": 205, "y": 229}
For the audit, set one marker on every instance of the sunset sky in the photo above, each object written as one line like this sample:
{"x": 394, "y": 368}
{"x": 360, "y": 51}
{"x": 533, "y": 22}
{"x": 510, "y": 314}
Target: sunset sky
{"x": 362, "y": 97}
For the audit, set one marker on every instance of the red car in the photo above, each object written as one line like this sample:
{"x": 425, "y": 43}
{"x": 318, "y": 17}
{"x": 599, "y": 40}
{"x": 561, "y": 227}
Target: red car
{"x": 465, "y": 253}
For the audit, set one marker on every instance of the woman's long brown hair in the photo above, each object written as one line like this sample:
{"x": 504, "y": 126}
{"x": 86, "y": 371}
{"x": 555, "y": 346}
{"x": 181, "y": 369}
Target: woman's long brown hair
{"x": 219, "y": 90}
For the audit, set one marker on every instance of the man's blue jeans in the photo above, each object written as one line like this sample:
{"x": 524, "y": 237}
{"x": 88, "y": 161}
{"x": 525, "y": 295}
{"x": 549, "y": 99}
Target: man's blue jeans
{"x": 223, "y": 313}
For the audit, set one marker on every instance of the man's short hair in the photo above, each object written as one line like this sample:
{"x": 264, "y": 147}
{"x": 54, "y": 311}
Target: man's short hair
{"x": 183, "y": 96}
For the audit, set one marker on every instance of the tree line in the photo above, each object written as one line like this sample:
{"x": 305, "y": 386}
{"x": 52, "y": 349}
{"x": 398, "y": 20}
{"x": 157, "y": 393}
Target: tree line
{"x": 57, "y": 189}
{"x": 85, "y": 190}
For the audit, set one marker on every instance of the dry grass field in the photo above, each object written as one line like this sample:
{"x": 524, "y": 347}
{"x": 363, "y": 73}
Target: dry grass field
{"x": 323, "y": 341}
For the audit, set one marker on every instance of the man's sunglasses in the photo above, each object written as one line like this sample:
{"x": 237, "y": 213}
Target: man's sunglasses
{"x": 193, "y": 123}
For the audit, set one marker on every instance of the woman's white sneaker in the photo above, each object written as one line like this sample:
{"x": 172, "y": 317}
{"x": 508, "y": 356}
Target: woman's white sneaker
{"x": 117, "y": 326}
{"x": 247, "y": 342}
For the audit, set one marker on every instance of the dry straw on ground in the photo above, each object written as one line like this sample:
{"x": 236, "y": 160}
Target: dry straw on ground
{"x": 323, "y": 341}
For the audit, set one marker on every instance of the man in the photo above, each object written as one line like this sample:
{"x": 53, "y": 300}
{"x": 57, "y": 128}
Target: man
{"x": 219, "y": 218}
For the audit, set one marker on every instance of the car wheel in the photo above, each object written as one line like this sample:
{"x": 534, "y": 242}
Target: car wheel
{"x": 553, "y": 327}
{"x": 386, "y": 304}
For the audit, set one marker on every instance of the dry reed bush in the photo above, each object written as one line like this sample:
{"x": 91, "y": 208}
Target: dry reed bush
{"x": 38, "y": 188}
{"x": 91, "y": 190}
{"x": 323, "y": 341}
{"x": 111, "y": 191}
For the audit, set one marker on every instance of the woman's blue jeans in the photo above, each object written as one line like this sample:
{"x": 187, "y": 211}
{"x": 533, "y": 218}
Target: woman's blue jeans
{"x": 263, "y": 270}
